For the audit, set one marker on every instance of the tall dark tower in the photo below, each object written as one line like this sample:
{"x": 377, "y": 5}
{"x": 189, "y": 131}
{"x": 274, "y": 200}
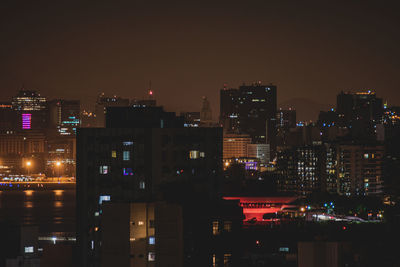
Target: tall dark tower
{"x": 360, "y": 112}
{"x": 251, "y": 110}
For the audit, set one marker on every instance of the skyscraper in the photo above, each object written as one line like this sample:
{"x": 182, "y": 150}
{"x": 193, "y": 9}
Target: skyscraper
{"x": 64, "y": 115}
{"x": 31, "y": 110}
{"x": 360, "y": 112}
{"x": 251, "y": 110}
{"x": 205, "y": 113}
{"x": 141, "y": 150}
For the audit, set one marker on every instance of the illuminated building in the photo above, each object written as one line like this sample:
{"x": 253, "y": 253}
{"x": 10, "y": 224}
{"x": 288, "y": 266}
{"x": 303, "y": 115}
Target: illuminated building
{"x": 64, "y": 115}
{"x": 286, "y": 119}
{"x": 391, "y": 116}
{"x": 360, "y": 169}
{"x": 301, "y": 169}
{"x": 235, "y": 145}
{"x": 145, "y": 234}
{"x": 162, "y": 233}
{"x": 31, "y": 110}
{"x": 62, "y": 150}
{"x": 139, "y": 151}
{"x": 103, "y": 102}
{"x": 251, "y": 110}
{"x": 331, "y": 172}
{"x": 259, "y": 151}
{"x": 17, "y": 145}
{"x": 88, "y": 119}
{"x": 256, "y": 209}
{"x": 192, "y": 119}
{"x": 327, "y": 119}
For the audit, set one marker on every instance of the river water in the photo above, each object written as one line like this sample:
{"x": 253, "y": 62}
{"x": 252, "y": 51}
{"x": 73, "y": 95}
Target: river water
{"x": 51, "y": 208}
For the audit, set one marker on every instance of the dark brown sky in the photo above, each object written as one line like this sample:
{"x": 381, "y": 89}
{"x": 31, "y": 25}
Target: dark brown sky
{"x": 310, "y": 49}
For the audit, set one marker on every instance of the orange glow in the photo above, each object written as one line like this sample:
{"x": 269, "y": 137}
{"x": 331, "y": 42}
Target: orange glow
{"x": 28, "y": 163}
{"x": 28, "y": 192}
{"x": 58, "y": 192}
{"x": 58, "y": 163}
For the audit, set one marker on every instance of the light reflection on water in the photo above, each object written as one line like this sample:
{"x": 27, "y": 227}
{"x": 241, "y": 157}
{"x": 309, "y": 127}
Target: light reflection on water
{"x": 51, "y": 210}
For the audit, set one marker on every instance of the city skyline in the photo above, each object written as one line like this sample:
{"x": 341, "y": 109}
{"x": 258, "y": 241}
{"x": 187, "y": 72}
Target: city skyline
{"x": 309, "y": 50}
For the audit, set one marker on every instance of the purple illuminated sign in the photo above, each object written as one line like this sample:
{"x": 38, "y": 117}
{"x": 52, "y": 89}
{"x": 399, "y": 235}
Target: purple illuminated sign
{"x": 26, "y": 121}
{"x": 250, "y": 165}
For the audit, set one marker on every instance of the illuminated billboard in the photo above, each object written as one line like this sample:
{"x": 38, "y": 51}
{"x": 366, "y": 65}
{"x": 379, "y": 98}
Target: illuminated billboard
{"x": 26, "y": 121}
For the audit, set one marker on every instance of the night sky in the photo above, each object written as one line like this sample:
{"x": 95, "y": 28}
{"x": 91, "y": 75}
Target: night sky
{"x": 188, "y": 49}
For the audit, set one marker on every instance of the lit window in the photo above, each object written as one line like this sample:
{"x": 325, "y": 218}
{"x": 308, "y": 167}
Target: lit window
{"x": 194, "y": 154}
{"x": 202, "y": 155}
{"x": 366, "y": 156}
{"x": 142, "y": 185}
{"x": 128, "y": 143}
{"x": 227, "y": 259}
{"x": 104, "y": 169}
{"x": 114, "y": 154}
{"x": 104, "y": 198}
{"x": 126, "y": 155}
{"x": 214, "y": 260}
{"x": 215, "y": 227}
{"x": 228, "y": 226}
{"x": 96, "y": 214}
{"x": 28, "y": 249}
{"x": 127, "y": 171}
{"x": 151, "y": 256}
{"x": 152, "y": 240}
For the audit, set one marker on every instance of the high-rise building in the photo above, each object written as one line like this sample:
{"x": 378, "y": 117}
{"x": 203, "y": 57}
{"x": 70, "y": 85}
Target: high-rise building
{"x": 31, "y": 110}
{"x": 286, "y": 119}
{"x": 141, "y": 234}
{"x": 251, "y": 110}
{"x": 64, "y": 115}
{"x": 103, "y": 102}
{"x": 235, "y": 145}
{"x": 205, "y": 113}
{"x": 140, "y": 151}
{"x": 360, "y": 112}
{"x": 359, "y": 169}
{"x": 259, "y": 151}
{"x": 301, "y": 169}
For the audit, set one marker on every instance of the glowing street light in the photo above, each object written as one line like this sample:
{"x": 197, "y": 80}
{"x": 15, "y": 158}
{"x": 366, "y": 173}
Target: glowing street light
{"x": 58, "y": 165}
{"x": 28, "y": 165}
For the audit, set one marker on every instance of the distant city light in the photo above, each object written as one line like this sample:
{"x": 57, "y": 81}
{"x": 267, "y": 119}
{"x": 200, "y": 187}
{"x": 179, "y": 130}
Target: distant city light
{"x": 26, "y": 121}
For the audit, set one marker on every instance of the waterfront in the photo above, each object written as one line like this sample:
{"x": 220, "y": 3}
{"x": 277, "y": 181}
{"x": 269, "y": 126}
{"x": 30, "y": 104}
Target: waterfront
{"x": 49, "y": 206}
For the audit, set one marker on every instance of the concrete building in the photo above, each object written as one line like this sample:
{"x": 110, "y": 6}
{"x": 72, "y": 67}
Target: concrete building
{"x": 360, "y": 169}
{"x": 235, "y": 145}
{"x": 134, "y": 160}
{"x": 251, "y": 110}
{"x": 103, "y": 102}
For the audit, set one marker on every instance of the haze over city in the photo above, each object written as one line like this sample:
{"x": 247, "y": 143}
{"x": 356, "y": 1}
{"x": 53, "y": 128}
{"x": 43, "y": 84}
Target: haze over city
{"x": 188, "y": 49}
{"x": 199, "y": 133}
